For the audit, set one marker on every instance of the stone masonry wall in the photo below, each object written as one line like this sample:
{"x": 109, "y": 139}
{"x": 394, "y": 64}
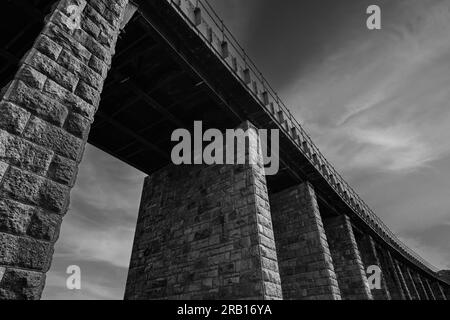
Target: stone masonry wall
{"x": 205, "y": 232}
{"x": 347, "y": 261}
{"x": 306, "y": 266}
{"x": 46, "y": 113}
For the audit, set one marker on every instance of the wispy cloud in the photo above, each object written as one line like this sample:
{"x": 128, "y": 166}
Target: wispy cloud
{"x": 393, "y": 149}
{"x": 387, "y": 92}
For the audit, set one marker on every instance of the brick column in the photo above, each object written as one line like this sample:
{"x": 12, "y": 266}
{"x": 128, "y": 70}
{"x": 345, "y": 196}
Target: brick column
{"x": 347, "y": 261}
{"x": 420, "y": 286}
{"x": 410, "y": 283}
{"x": 392, "y": 280}
{"x": 369, "y": 256}
{"x": 46, "y": 113}
{"x": 438, "y": 292}
{"x": 205, "y": 232}
{"x": 306, "y": 267}
{"x": 430, "y": 292}
{"x": 402, "y": 281}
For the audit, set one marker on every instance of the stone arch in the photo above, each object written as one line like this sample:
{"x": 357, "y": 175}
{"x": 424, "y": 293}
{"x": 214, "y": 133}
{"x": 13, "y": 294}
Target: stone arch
{"x": 46, "y": 114}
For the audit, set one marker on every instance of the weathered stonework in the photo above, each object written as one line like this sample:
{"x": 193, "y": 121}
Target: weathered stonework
{"x": 306, "y": 266}
{"x": 46, "y": 112}
{"x": 205, "y": 232}
{"x": 347, "y": 261}
{"x": 369, "y": 256}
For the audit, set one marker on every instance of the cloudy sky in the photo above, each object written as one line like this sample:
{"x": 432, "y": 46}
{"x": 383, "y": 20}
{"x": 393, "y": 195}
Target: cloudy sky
{"x": 377, "y": 103}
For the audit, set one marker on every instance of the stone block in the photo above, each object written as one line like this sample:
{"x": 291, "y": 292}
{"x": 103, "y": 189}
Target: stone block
{"x": 58, "y": 36}
{"x": 78, "y": 125}
{"x": 44, "y": 226}
{"x": 29, "y": 188}
{"x": 63, "y": 170}
{"x": 23, "y": 154}
{"x": 24, "y": 253}
{"x": 15, "y": 217}
{"x": 39, "y": 104}
{"x": 48, "y": 47}
{"x": 31, "y": 77}
{"x": 70, "y": 100}
{"x": 53, "y": 70}
{"x": 54, "y": 138}
{"x": 88, "y": 93}
{"x": 13, "y": 118}
{"x": 16, "y": 284}
{"x": 80, "y": 69}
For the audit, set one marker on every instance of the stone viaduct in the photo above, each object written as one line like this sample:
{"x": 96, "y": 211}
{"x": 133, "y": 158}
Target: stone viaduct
{"x": 122, "y": 76}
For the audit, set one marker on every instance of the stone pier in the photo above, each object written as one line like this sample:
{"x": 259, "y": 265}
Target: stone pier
{"x": 205, "y": 232}
{"x": 392, "y": 281}
{"x": 347, "y": 261}
{"x": 304, "y": 258}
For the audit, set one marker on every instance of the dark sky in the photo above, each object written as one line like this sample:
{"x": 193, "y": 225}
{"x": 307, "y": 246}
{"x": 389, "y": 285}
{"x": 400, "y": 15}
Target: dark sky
{"x": 376, "y": 102}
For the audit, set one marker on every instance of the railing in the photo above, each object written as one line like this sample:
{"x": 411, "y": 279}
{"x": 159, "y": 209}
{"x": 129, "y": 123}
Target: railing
{"x": 207, "y": 24}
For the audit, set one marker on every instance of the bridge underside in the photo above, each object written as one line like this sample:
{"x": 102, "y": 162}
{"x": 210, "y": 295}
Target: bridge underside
{"x": 163, "y": 77}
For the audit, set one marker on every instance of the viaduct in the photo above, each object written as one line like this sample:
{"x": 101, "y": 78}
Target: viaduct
{"x": 122, "y": 76}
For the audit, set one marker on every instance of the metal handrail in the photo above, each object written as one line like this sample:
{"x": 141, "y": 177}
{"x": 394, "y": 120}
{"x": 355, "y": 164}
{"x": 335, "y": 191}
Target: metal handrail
{"x": 246, "y": 71}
